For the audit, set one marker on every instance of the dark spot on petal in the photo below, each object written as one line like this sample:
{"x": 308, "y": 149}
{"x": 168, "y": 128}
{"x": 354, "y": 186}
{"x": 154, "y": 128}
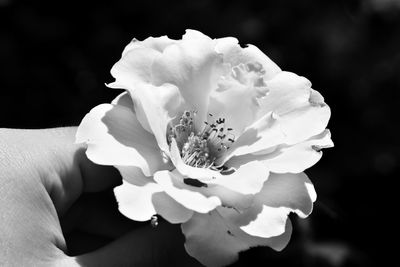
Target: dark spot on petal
{"x": 194, "y": 182}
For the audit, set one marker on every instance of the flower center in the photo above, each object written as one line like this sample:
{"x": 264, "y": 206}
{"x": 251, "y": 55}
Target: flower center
{"x": 201, "y": 148}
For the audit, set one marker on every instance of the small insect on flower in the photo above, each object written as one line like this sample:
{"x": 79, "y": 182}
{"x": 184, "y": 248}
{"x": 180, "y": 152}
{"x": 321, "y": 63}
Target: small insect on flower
{"x": 154, "y": 221}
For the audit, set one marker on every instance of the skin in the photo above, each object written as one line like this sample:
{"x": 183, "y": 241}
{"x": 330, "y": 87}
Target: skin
{"x": 57, "y": 209}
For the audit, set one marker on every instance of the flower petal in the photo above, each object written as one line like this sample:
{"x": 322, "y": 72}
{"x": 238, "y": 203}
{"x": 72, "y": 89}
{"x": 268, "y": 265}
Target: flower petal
{"x": 133, "y": 175}
{"x": 234, "y": 54}
{"x": 115, "y": 137}
{"x": 214, "y": 241}
{"x": 208, "y": 240}
{"x": 194, "y": 67}
{"x": 303, "y": 123}
{"x": 155, "y": 202}
{"x": 294, "y": 191}
{"x": 237, "y": 97}
{"x": 156, "y": 43}
{"x": 276, "y": 242}
{"x": 301, "y": 110}
{"x": 265, "y": 133}
{"x": 134, "y": 67}
{"x": 248, "y": 179}
{"x": 299, "y": 157}
{"x": 124, "y": 99}
{"x": 170, "y": 209}
{"x": 281, "y": 194}
{"x": 270, "y": 221}
{"x": 135, "y": 202}
{"x": 155, "y": 107}
{"x": 287, "y": 92}
{"x": 228, "y": 197}
{"x": 181, "y": 193}
{"x": 291, "y": 113}
{"x": 289, "y": 159}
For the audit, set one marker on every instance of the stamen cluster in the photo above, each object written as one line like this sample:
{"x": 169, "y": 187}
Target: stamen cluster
{"x": 201, "y": 149}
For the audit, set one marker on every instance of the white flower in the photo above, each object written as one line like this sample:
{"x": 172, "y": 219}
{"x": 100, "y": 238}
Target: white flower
{"x": 213, "y": 136}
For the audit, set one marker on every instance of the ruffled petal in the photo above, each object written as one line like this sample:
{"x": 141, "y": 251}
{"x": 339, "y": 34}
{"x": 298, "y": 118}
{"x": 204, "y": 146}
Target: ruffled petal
{"x": 234, "y": 54}
{"x": 134, "y": 67}
{"x": 135, "y": 202}
{"x": 214, "y": 241}
{"x": 194, "y": 67}
{"x": 170, "y": 209}
{"x": 237, "y": 97}
{"x": 115, "y": 137}
{"x": 272, "y": 129}
{"x": 289, "y": 159}
{"x": 281, "y": 194}
{"x": 183, "y": 194}
{"x": 156, "y": 43}
{"x": 136, "y": 61}
{"x": 155, "y": 105}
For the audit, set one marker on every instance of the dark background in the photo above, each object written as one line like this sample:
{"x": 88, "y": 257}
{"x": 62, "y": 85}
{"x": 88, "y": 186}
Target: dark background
{"x": 55, "y": 57}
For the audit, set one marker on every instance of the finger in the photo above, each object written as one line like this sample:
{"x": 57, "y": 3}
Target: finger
{"x": 63, "y": 166}
{"x": 160, "y": 246}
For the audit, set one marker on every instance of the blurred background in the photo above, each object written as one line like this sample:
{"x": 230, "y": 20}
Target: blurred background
{"x": 55, "y": 57}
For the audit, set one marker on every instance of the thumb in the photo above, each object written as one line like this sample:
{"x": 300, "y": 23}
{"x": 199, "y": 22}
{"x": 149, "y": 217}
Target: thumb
{"x": 62, "y": 165}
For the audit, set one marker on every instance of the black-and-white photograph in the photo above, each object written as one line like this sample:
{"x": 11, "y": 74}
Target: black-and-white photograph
{"x": 199, "y": 133}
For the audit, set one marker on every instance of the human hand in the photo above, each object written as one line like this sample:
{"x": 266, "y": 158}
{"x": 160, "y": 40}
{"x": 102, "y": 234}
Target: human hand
{"x": 57, "y": 209}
